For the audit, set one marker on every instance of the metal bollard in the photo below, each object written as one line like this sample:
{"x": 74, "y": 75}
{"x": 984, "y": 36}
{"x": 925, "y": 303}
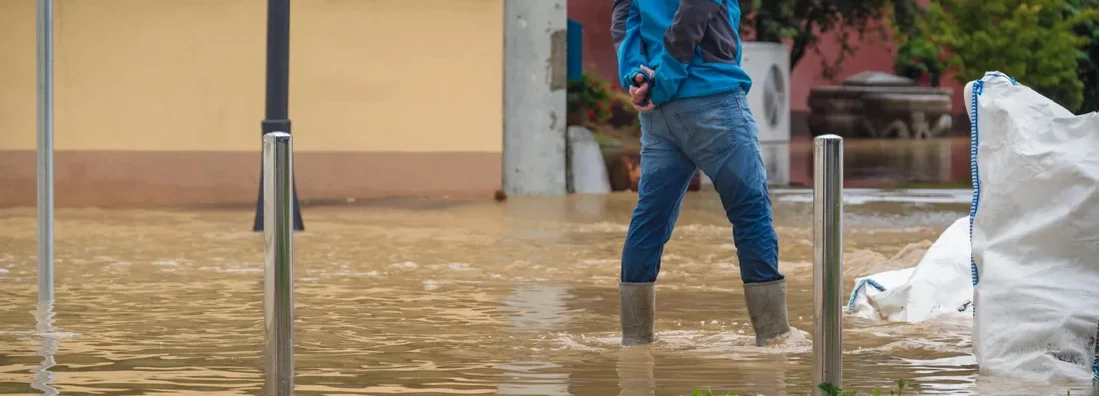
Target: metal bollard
{"x": 45, "y": 151}
{"x": 278, "y": 255}
{"x": 827, "y": 261}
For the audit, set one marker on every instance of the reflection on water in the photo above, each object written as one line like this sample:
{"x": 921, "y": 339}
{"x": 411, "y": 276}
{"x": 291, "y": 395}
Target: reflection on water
{"x": 534, "y": 309}
{"x": 877, "y": 163}
{"x": 452, "y": 297}
{"x": 528, "y": 378}
{"x": 886, "y": 163}
{"x": 44, "y": 325}
{"x": 635, "y": 371}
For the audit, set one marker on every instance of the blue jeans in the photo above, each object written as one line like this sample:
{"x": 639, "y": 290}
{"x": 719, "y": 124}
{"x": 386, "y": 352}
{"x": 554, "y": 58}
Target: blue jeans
{"x": 718, "y": 135}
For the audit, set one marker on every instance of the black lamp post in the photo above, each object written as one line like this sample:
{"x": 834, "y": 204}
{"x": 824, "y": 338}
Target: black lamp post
{"x": 278, "y": 88}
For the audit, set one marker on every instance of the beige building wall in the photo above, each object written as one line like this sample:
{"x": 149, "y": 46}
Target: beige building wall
{"x": 160, "y": 102}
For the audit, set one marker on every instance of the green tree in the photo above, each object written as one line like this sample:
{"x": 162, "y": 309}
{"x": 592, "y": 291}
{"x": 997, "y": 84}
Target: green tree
{"x": 1089, "y": 58}
{"x": 916, "y": 55}
{"x": 803, "y": 22}
{"x": 1035, "y": 41}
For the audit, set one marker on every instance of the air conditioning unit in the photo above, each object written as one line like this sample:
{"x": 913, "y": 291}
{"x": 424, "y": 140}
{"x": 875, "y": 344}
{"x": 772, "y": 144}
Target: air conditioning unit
{"x": 768, "y": 64}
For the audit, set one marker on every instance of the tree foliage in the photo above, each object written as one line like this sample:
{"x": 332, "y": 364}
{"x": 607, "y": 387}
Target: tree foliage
{"x": 916, "y": 56}
{"x": 1089, "y": 58}
{"x": 803, "y": 22}
{"x": 1036, "y": 41}
{"x": 1050, "y": 45}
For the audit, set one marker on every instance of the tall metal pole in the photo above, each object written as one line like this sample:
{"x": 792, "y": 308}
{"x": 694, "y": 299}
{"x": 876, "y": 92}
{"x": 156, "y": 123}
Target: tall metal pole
{"x": 45, "y": 151}
{"x": 278, "y": 254}
{"x": 827, "y": 261}
{"x": 278, "y": 91}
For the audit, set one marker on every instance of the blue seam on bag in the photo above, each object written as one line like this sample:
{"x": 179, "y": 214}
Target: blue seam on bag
{"x": 978, "y": 86}
{"x": 858, "y": 288}
{"x": 974, "y": 135}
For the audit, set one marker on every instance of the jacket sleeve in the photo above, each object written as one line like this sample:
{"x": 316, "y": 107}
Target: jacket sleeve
{"x": 680, "y": 40}
{"x": 626, "y": 33}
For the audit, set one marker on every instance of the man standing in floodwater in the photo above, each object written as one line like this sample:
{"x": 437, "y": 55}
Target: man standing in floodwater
{"x": 680, "y": 60}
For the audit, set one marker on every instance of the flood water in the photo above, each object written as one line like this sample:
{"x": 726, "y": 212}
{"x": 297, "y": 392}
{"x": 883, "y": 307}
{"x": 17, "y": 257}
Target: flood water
{"x": 455, "y": 297}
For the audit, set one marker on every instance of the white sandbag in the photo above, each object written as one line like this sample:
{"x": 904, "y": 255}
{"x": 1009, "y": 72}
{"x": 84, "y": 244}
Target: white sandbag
{"x": 1035, "y": 233}
{"x": 939, "y": 285}
{"x": 872, "y": 287}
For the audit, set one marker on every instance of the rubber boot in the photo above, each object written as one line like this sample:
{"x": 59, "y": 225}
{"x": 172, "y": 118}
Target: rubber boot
{"x": 767, "y": 309}
{"x": 637, "y": 303}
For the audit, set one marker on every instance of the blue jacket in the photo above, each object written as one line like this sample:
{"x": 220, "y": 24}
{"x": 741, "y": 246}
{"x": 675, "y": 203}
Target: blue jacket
{"x": 693, "y": 46}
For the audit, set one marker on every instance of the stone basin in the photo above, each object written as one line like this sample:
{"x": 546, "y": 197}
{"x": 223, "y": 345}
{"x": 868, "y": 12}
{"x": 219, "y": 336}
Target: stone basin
{"x": 880, "y": 105}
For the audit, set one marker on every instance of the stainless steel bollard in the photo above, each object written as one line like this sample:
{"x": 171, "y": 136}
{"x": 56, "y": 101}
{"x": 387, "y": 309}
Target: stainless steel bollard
{"x": 827, "y": 261}
{"x": 278, "y": 274}
{"x": 45, "y": 151}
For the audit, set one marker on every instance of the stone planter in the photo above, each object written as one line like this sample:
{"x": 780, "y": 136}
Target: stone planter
{"x": 907, "y": 116}
{"x": 880, "y": 105}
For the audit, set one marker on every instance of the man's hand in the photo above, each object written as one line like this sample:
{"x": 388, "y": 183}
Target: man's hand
{"x": 639, "y": 91}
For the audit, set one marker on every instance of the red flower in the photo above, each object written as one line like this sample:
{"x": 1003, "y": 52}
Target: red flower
{"x": 591, "y": 115}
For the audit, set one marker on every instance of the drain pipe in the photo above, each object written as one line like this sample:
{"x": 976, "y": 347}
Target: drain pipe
{"x": 278, "y": 257}
{"x": 827, "y": 261}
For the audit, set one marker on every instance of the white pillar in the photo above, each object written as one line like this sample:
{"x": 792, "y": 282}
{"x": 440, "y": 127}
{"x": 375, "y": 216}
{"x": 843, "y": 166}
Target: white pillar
{"x": 535, "y": 77}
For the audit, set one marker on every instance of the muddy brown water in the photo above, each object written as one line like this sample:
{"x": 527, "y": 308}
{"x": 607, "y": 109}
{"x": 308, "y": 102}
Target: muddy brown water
{"x": 455, "y": 297}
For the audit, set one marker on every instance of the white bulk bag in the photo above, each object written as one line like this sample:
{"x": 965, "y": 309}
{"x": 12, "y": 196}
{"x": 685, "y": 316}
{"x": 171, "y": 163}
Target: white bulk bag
{"x": 938, "y": 285}
{"x": 1034, "y": 233}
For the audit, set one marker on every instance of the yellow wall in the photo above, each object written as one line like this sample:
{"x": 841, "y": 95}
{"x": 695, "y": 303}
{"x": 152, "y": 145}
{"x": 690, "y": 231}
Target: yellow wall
{"x": 158, "y": 75}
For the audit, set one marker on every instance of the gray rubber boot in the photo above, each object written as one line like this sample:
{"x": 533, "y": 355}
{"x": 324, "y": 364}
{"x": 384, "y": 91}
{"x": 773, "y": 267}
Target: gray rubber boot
{"x": 767, "y": 309}
{"x": 637, "y": 303}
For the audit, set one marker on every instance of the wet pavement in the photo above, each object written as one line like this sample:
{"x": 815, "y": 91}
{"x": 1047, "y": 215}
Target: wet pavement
{"x": 455, "y": 297}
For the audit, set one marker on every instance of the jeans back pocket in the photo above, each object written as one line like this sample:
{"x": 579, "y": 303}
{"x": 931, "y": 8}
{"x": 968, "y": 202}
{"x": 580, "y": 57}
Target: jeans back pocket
{"x": 709, "y": 129}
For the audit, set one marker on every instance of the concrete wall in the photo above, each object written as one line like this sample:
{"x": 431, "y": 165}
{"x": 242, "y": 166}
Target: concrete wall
{"x": 160, "y": 102}
{"x": 535, "y": 75}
